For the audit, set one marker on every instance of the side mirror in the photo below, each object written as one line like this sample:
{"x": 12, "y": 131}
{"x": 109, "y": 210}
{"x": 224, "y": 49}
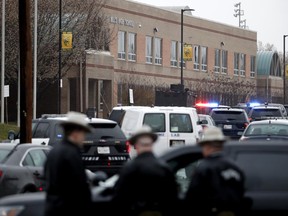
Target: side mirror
{"x": 11, "y": 135}
{"x": 99, "y": 176}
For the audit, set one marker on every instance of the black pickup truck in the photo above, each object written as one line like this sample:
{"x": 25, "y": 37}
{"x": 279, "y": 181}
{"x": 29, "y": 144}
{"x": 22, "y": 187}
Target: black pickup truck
{"x": 265, "y": 165}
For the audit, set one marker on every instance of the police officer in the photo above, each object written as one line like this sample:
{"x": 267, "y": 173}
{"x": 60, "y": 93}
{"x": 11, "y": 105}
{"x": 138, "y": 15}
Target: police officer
{"x": 146, "y": 185}
{"x": 68, "y": 192}
{"x": 217, "y": 185}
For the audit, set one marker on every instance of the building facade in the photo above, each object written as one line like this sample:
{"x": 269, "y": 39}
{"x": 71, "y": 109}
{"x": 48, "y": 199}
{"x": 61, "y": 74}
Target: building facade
{"x": 145, "y": 52}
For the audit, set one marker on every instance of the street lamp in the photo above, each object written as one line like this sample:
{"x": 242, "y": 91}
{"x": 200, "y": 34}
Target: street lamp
{"x": 284, "y": 68}
{"x": 60, "y": 57}
{"x": 182, "y": 18}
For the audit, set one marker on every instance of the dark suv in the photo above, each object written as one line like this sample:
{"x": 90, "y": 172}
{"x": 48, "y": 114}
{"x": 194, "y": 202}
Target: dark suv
{"x": 106, "y": 147}
{"x": 232, "y": 121}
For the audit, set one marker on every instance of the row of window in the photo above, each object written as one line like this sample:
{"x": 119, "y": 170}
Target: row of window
{"x": 200, "y": 55}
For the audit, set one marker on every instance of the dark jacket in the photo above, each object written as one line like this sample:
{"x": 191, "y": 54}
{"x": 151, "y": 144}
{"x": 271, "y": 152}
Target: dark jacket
{"x": 146, "y": 184}
{"x": 68, "y": 192}
{"x": 217, "y": 185}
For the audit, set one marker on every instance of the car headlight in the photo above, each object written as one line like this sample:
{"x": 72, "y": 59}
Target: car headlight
{"x": 11, "y": 210}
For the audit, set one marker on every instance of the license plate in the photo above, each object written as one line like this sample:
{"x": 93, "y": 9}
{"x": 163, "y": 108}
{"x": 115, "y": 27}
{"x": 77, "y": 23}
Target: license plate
{"x": 177, "y": 142}
{"x": 103, "y": 150}
{"x": 228, "y": 127}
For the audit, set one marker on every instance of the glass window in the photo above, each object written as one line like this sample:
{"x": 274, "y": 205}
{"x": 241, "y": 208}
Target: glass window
{"x": 229, "y": 115}
{"x": 242, "y": 64}
{"x": 38, "y": 156}
{"x": 259, "y": 166}
{"x": 28, "y": 161}
{"x": 224, "y": 61}
{"x": 204, "y": 51}
{"x": 252, "y": 66}
{"x": 265, "y": 112}
{"x": 158, "y": 51}
{"x": 236, "y": 64}
{"x": 59, "y": 131}
{"x": 121, "y": 45}
{"x": 180, "y": 123}
{"x": 174, "y": 61}
{"x": 42, "y": 130}
{"x": 267, "y": 130}
{"x": 149, "y": 58}
{"x": 196, "y": 58}
{"x": 132, "y": 47}
{"x": 156, "y": 121}
{"x": 105, "y": 131}
{"x": 217, "y": 61}
{"x": 3, "y": 154}
{"x": 179, "y": 48}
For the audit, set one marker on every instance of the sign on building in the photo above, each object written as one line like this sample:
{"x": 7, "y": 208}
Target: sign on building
{"x": 6, "y": 91}
{"x": 131, "y": 96}
{"x": 187, "y": 52}
{"x": 67, "y": 40}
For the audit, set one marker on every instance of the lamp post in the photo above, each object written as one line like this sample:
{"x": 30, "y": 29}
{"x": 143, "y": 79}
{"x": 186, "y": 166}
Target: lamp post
{"x": 182, "y": 32}
{"x": 60, "y": 57}
{"x": 3, "y": 61}
{"x": 284, "y": 68}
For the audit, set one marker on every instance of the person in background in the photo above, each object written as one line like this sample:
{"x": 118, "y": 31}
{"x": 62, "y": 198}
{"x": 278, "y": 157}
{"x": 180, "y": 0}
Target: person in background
{"x": 68, "y": 192}
{"x": 217, "y": 184}
{"x": 146, "y": 186}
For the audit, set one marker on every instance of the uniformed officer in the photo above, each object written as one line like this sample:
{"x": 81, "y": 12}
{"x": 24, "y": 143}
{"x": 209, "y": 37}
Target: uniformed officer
{"x": 217, "y": 185}
{"x": 146, "y": 186}
{"x": 68, "y": 192}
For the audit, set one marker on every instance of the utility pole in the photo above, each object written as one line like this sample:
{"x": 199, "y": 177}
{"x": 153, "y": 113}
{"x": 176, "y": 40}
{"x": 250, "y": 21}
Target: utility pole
{"x": 60, "y": 57}
{"x": 35, "y": 58}
{"x": 182, "y": 41}
{"x": 3, "y": 61}
{"x": 25, "y": 38}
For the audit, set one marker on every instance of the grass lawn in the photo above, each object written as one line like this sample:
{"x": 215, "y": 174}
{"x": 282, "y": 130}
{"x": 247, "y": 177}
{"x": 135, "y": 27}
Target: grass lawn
{"x": 4, "y": 129}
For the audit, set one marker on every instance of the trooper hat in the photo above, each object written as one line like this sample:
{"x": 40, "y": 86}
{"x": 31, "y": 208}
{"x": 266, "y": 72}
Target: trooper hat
{"x": 144, "y": 131}
{"x": 212, "y": 134}
{"x": 78, "y": 120}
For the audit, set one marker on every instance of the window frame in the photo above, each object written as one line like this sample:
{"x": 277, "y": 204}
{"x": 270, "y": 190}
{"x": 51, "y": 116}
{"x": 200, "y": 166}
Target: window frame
{"x": 224, "y": 67}
{"x": 196, "y": 51}
{"x": 179, "y": 51}
{"x": 149, "y": 58}
{"x": 187, "y": 114}
{"x": 158, "y": 60}
{"x": 217, "y": 67}
{"x": 174, "y": 54}
{"x": 236, "y": 63}
{"x": 132, "y": 56}
{"x": 36, "y": 129}
{"x": 204, "y": 65}
{"x": 242, "y": 65}
{"x": 252, "y": 66}
{"x": 122, "y": 54}
{"x": 28, "y": 153}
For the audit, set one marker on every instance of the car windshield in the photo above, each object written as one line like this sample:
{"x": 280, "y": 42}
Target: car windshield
{"x": 267, "y": 129}
{"x": 229, "y": 116}
{"x": 3, "y": 154}
{"x": 265, "y": 112}
{"x": 117, "y": 115}
{"x": 105, "y": 131}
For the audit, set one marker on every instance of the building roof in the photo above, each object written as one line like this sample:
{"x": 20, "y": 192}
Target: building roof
{"x": 268, "y": 63}
{"x": 177, "y": 9}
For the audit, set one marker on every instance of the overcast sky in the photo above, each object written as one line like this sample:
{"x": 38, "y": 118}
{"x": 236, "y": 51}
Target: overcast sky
{"x": 268, "y": 17}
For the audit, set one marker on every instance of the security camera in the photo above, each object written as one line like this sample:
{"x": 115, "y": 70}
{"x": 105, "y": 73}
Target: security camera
{"x": 222, "y": 43}
{"x": 140, "y": 26}
{"x": 156, "y": 29}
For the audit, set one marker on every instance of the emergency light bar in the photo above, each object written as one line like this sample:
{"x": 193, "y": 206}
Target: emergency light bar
{"x": 210, "y": 105}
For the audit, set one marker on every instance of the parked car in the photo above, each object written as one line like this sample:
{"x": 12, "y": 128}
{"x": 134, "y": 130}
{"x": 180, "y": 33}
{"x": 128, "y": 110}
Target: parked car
{"x": 206, "y": 121}
{"x": 175, "y": 126}
{"x": 263, "y": 163}
{"x": 269, "y": 130}
{"x": 259, "y": 113}
{"x": 106, "y": 148}
{"x": 232, "y": 121}
{"x": 21, "y": 168}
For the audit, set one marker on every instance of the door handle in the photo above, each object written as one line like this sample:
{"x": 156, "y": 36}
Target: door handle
{"x": 36, "y": 173}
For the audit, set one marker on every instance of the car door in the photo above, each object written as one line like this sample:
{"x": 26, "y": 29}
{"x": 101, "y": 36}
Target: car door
{"x": 41, "y": 133}
{"x": 34, "y": 160}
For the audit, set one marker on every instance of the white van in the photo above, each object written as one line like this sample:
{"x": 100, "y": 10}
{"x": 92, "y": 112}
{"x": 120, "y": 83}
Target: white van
{"x": 175, "y": 126}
